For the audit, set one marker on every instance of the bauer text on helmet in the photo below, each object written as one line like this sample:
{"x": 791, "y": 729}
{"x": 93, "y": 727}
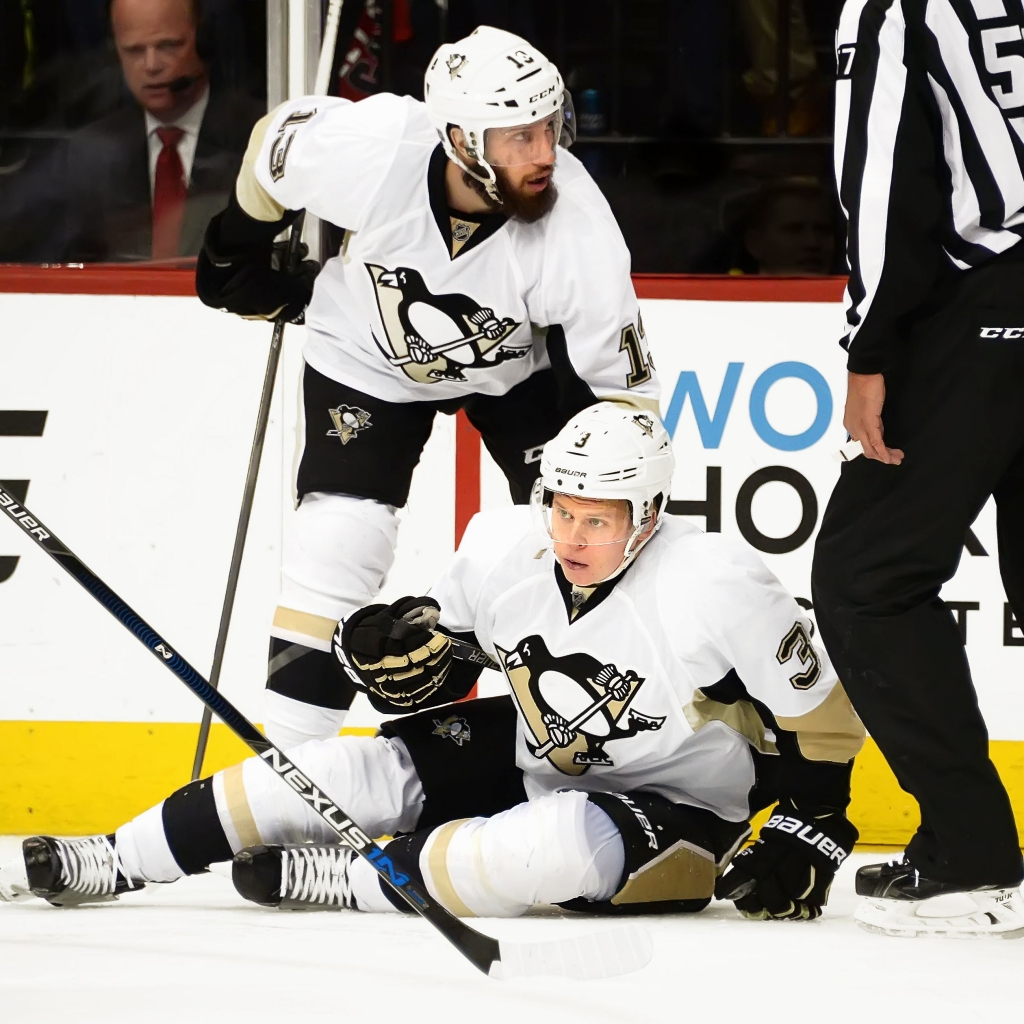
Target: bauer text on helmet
{"x": 504, "y": 102}
{"x": 604, "y": 479}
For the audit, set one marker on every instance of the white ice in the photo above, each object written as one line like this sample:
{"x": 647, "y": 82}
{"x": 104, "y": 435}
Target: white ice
{"x": 195, "y": 951}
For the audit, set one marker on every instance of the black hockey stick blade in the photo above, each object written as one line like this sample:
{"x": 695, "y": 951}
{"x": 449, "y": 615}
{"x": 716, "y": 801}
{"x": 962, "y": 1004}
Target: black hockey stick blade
{"x": 568, "y": 957}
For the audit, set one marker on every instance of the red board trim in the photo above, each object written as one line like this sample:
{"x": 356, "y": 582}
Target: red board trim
{"x": 97, "y": 279}
{"x": 720, "y": 288}
{"x": 121, "y": 279}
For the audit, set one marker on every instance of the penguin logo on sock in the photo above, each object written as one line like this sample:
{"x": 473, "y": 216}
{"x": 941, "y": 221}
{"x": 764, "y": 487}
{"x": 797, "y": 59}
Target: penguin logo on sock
{"x": 573, "y": 705}
{"x": 435, "y": 337}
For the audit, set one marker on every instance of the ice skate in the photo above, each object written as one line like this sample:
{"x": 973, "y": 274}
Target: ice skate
{"x": 295, "y": 877}
{"x": 899, "y": 901}
{"x": 69, "y": 872}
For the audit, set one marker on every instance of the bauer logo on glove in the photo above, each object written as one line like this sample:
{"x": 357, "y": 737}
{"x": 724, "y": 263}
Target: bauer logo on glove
{"x": 393, "y": 653}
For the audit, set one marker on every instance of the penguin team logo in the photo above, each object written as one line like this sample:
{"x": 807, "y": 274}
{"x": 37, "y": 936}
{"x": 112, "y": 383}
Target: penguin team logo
{"x": 455, "y": 63}
{"x": 454, "y": 728}
{"x": 645, "y": 423}
{"x": 435, "y": 337}
{"x": 349, "y": 420}
{"x": 573, "y": 705}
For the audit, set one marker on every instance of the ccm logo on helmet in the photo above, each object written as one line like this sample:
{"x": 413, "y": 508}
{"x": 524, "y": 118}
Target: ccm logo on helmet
{"x": 547, "y": 92}
{"x": 794, "y": 826}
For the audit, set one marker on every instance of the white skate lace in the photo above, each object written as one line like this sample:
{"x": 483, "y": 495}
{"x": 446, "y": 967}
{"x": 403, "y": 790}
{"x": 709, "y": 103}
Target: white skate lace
{"x": 90, "y": 866}
{"x": 316, "y": 874}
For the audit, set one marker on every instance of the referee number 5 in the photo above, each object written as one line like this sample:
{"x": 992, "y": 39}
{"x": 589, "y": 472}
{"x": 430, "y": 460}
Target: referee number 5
{"x": 1011, "y": 64}
{"x": 797, "y": 642}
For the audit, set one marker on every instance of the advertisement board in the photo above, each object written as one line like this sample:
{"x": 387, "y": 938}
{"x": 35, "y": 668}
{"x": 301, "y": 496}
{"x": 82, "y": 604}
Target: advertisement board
{"x": 126, "y": 423}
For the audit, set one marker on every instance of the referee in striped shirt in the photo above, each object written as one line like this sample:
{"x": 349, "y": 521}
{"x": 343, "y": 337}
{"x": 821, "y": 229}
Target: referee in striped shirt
{"x": 929, "y": 158}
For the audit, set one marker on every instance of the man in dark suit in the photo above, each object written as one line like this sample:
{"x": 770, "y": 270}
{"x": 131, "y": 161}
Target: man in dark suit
{"x": 144, "y": 181}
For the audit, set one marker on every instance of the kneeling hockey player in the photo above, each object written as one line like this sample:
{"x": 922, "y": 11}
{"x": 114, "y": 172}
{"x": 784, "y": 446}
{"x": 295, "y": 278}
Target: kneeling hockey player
{"x": 663, "y": 688}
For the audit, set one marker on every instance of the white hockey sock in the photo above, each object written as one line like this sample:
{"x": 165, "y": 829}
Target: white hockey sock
{"x": 545, "y": 851}
{"x": 371, "y": 777}
{"x": 337, "y": 553}
{"x": 143, "y": 849}
{"x": 366, "y": 891}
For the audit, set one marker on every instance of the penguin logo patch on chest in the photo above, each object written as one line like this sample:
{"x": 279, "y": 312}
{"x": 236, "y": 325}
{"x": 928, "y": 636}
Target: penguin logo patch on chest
{"x": 435, "y": 337}
{"x": 573, "y": 705}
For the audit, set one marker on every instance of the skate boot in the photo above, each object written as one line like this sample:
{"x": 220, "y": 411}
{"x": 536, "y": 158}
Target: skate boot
{"x": 68, "y": 872}
{"x": 295, "y": 877}
{"x": 898, "y": 900}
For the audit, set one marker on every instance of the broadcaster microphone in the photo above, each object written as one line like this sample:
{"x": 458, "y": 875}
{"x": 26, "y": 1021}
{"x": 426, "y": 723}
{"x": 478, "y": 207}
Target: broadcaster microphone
{"x": 182, "y": 83}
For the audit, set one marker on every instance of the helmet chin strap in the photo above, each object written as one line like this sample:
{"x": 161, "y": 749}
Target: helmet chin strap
{"x": 629, "y": 555}
{"x": 489, "y": 181}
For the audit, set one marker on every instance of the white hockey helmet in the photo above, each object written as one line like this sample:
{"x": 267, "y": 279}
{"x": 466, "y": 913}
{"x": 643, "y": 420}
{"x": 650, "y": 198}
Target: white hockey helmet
{"x": 610, "y": 451}
{"x": 493, "y": 79}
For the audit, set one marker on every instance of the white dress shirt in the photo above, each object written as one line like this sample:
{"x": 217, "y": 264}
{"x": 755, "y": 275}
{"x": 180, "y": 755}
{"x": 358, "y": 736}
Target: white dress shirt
{"x": 190, "y": 122}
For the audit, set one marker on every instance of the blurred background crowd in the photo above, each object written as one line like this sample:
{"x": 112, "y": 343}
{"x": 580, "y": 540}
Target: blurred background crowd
{"x": 707, "y": 123}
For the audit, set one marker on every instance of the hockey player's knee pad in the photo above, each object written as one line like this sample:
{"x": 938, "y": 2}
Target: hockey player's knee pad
{"x": 543, "y": 851}
{"x": 671, "y": 855}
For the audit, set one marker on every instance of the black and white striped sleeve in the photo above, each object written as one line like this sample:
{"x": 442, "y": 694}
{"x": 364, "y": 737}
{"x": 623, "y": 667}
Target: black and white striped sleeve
{"x": 929, "y": 152}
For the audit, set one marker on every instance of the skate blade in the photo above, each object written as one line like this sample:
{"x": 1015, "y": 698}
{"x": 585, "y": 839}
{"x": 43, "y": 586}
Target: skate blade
{"x": 895, "y": 931}
{"x": 75, "y": 900}
{"x": 980, "y": 924}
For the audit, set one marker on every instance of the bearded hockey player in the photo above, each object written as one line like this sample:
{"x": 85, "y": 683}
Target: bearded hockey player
{"x": 482, "y": 269}
{"x": 663, "y": 688}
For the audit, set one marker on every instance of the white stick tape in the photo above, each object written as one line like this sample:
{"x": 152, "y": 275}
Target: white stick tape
{"x": 848, "y": 452}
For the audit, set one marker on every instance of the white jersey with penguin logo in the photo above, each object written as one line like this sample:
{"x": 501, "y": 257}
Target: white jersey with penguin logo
{"x": 423, "y": 304}
{"x": 619, "y": 694}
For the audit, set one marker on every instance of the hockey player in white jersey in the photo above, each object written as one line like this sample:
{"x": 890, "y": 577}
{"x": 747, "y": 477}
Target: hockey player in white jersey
{"x": 663, "y": 687}
{"x": 482, "y": 269}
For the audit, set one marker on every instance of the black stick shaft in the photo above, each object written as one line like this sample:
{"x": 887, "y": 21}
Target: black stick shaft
{"x": 481, "y": 950}
{"x": 248, "y": 494}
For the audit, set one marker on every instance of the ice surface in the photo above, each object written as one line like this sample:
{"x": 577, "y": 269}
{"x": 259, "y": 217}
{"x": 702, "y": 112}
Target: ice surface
{"x": 195, "y": 952}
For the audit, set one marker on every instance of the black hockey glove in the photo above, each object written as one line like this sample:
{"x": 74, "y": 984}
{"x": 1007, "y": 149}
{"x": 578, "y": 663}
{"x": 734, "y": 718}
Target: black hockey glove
{"x": 393, "y": 654}
{"x": 787, "y": 873}
{"x": 241, "y": 270}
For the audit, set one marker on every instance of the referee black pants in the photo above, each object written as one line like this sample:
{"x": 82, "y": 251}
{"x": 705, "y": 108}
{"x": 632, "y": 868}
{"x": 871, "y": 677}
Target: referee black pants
{"x": 892, "y": 535}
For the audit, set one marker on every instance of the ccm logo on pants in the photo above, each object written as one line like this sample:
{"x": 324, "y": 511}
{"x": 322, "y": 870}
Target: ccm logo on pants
{"x": 1011, "y": 333}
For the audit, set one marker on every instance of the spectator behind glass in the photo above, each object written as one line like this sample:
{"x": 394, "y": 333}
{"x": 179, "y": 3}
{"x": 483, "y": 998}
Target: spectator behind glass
{"x": 792, "y": 229}
{"x": 143, "y": 182}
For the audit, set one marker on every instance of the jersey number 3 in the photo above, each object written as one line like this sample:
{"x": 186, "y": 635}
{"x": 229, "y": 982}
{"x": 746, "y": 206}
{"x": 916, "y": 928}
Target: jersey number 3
{"x": 797, "y": 642}
{"x": 639, "y": 368}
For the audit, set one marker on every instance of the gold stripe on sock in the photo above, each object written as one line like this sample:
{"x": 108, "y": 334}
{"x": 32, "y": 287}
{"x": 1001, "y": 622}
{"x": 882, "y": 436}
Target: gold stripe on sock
{"x": 437, "y": 864}
{"x": 238, "y": 808}
{"x": 317, "y": 626}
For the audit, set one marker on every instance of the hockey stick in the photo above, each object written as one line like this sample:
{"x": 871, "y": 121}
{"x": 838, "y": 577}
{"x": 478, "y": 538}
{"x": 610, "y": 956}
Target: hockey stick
{"x": 446, "y": 347}
{"x": 244, "y": 514}
{"x": 323, "y": 74}
{"x": 464, "y": 651}
{"x": 597, "y": 955}
{"x": 580, "y": 719}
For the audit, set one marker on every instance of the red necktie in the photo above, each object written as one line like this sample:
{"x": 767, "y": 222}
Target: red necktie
{"x": 168, "y": 195}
